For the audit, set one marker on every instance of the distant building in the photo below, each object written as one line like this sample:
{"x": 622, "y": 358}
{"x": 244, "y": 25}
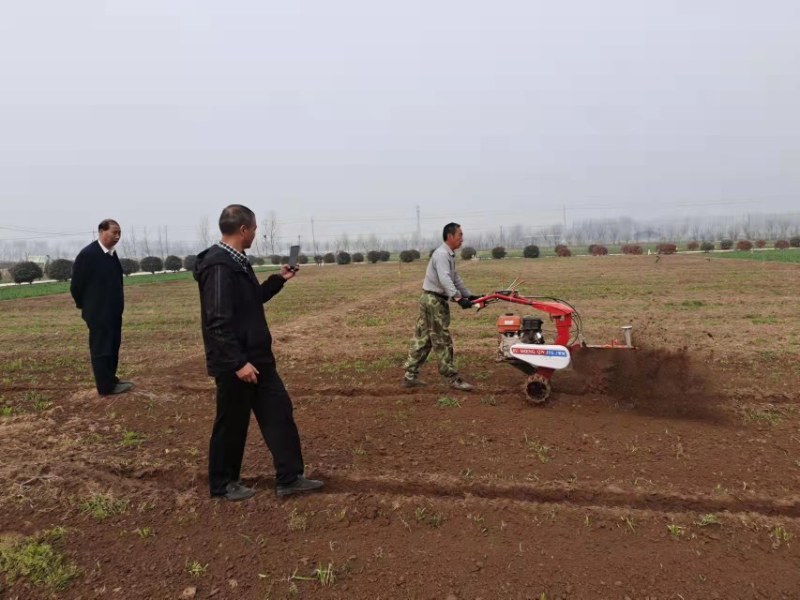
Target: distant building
{"x": 41, "y": 260}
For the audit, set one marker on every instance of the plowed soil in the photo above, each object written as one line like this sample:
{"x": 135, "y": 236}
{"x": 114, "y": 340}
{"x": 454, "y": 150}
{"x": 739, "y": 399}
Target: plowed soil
{"x": 671, "y": 471}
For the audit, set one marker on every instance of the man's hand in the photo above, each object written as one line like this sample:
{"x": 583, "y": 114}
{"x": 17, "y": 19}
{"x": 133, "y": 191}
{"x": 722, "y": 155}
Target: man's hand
{"x": 288, "y": 272}
{"x": 474, "y": 297}
{"x": 248, "y": 374}
{"x": 464, "y": 303}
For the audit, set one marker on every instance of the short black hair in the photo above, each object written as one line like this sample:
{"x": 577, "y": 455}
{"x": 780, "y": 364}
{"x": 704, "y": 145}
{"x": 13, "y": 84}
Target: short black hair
{"x": 106, "y": 224}
{"x": 449, "y": 229}
{"x": 233, "y": 217}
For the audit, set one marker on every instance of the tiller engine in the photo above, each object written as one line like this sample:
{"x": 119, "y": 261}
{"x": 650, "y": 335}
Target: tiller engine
{"x": 524, "y": 344}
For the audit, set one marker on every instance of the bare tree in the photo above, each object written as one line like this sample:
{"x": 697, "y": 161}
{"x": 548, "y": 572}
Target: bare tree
{"x": 162, "y": 246}
{"x": 146, "y": 243}
{"x": 204, "y": 232}
{"x": 271, "y": 232}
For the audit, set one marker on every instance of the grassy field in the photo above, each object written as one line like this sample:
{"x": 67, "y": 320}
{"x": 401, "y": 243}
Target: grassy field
{"x": 790, "y": 255}
{"x": 16, "y": 292}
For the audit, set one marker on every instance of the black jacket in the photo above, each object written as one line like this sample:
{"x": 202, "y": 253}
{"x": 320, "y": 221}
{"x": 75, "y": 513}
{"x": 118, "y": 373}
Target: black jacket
{"x": 96, "y": 286}
{"x": 235, "y": 329}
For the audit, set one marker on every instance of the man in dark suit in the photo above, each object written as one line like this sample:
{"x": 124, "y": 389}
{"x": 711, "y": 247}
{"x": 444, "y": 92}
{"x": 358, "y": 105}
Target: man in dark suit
{"x": 97, "y": 290}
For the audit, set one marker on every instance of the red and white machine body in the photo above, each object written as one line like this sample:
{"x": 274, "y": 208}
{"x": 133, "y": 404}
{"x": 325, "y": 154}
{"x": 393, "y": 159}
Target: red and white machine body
{"x": 523, "y": 344}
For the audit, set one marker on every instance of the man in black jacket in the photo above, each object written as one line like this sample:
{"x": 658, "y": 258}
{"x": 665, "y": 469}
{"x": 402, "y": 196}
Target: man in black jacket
{"x": 96, "y": 287}
{"x": 239, "y": 356}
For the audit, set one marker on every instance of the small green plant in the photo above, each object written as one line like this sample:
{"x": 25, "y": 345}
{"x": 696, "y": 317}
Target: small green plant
{"x": 195, "y": 568}
{"x": 144, "y": 532}
{"x": 447, "y": 402}
{"x": 35, "y": 559}
{"x": 709, "y": 519}
{"x": 630, "y": 523}
{"x": 37, "y": 401}
{"x": 423, "y": 516}
{"x": 763, "y": 415}
{"x": 340, "y": 515}
{"x": 359, "y": 450}
{"x": 6, "y": 411}
{"x": 325, "y": 575}
{"x": 779, "y": 536}
{"x": 132, "y": 438}
{"x": 542, "y": 452}
{"x": 676, "y": 531}
{"x": 489, "y": 401}
{"x": 297, "y": 521}
{"x": 102, "y": 506}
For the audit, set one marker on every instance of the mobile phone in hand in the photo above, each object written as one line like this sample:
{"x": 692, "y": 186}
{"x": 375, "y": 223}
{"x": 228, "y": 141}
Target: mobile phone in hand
{"x": 294, "y": 252}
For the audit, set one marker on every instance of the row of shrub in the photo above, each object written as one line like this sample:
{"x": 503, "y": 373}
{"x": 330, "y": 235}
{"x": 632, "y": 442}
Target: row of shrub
{"x": 61, "y": 269}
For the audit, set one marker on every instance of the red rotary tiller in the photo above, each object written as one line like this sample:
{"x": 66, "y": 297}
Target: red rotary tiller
{"x": 523, "y": 343}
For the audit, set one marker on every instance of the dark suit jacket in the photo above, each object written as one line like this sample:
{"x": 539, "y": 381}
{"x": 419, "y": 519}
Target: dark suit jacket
{"x": 97, "y": 286}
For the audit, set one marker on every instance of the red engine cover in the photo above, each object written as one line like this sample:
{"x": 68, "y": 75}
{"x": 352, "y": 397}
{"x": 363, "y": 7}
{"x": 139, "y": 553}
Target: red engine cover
{"x": 508, "y": 323}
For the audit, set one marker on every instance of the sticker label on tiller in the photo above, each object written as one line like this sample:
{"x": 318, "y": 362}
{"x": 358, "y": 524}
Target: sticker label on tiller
{"x": 539, "y": 351}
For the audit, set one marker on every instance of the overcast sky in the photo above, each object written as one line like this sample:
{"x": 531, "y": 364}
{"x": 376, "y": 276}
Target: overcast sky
{"x": 160, "y": 112}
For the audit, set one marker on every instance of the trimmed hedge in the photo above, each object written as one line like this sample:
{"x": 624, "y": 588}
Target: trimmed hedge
{"x": 173, "y": 263}
{"x": 25, "y": 272}
{"x": 468, "y": 253}
{"x": 129, "y": 266}
{"x": 531, "y": 251}
{"x": 151, "y": 264}
{"x": 498, "y": 252}
{"x": 631, "y": 249}
{"x": 598, "y": 250}
{"x": 744, "y": 245}
{"x": 60, "y": 269}
{"x": 562, "y": 250}
{"x": 407, "y": 256}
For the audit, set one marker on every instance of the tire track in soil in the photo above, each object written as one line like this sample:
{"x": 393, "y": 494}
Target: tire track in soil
{"x": 610, "y": 497}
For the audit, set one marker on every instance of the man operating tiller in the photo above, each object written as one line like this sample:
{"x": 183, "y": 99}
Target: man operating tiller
{"x": 432, "y": 333}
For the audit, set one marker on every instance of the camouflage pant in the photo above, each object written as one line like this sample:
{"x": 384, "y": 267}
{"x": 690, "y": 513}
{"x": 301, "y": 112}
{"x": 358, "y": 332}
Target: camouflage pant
{"x": 432, "y": 333}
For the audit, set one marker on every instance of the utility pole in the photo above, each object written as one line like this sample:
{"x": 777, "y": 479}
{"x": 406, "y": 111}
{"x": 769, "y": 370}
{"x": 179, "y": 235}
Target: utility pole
{"x": 419, "y": 229}
{"x": 313, "y": 237}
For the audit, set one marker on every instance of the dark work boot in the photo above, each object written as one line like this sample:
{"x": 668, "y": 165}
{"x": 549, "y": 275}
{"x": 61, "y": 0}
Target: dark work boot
{"x": 235, "y": 492}
{"x": 298, "y": 486}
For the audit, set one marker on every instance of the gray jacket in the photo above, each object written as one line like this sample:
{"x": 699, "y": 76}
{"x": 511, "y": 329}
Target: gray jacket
{"x": 441, "y": 277}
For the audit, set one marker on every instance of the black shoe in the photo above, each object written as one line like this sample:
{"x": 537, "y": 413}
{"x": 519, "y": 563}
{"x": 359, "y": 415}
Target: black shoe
{"x": 235, "y": 492}
{"x": 459, "y": 384}
{"x": 298, "y": 486}
{"x": 412, "y": 383}
{"x": 120, "y": 388}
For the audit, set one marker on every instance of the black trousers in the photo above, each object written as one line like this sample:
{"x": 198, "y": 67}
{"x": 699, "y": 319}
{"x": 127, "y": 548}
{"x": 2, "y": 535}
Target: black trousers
{"x": 272, "y": 407}
{"x": 104, "y": 342}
